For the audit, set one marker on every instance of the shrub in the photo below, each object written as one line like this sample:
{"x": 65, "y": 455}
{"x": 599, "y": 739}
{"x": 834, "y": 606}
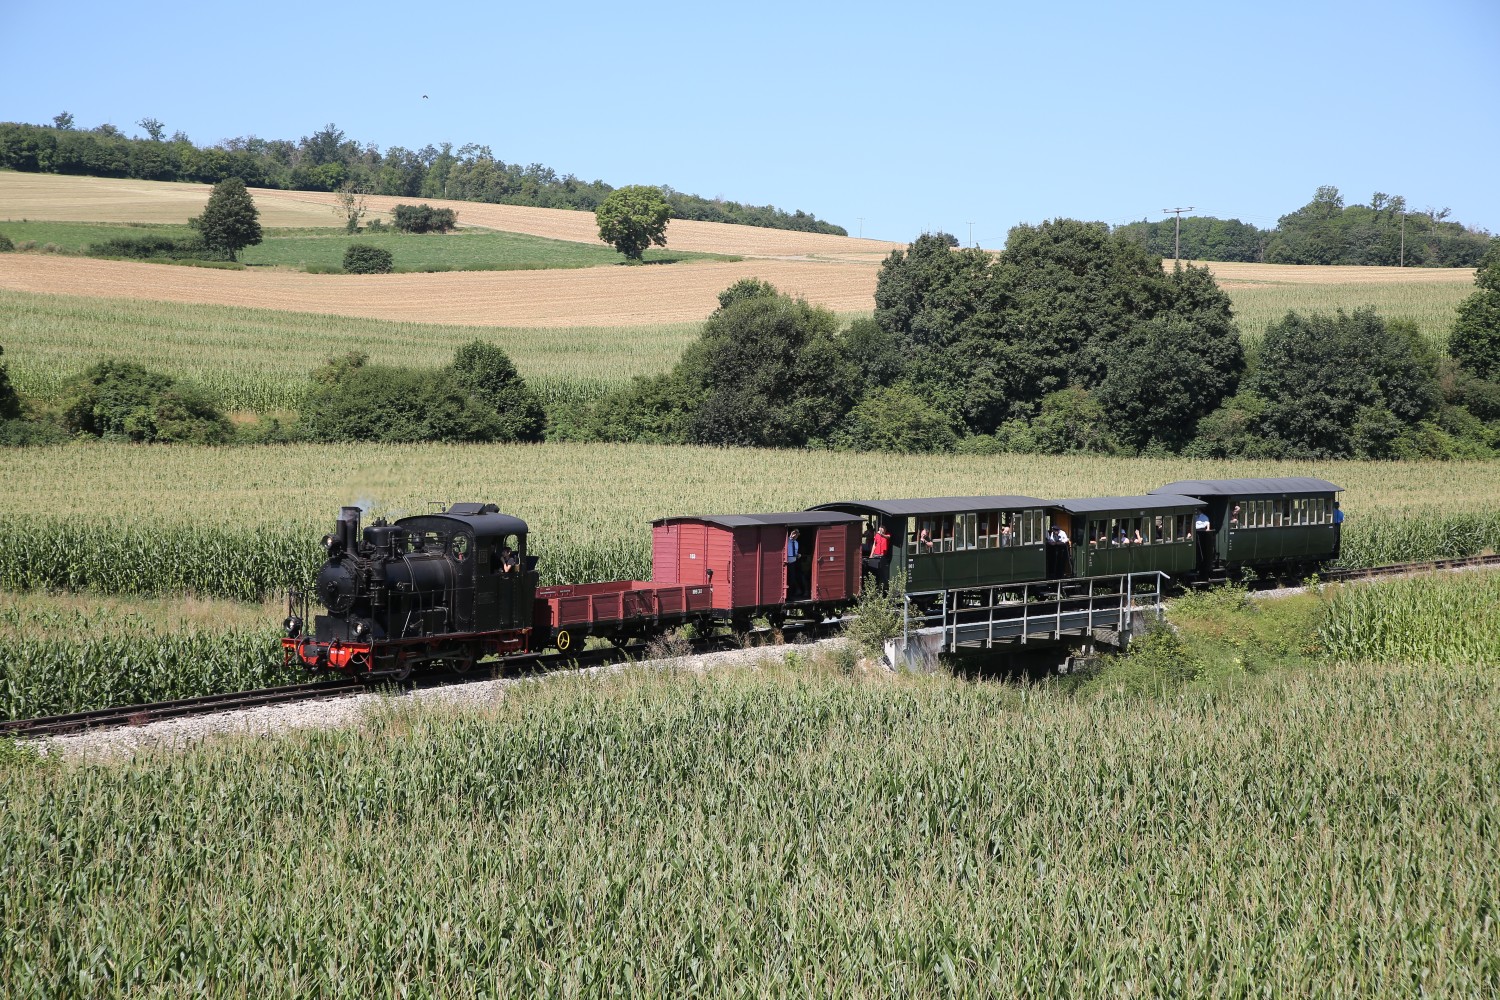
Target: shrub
{"x": 10, "y": 402}
{"x": 356, "y": 401}
{"x": 895, "y": 419}
{"x": 156, "y": 247}
{"x": 123, "y": 401}
{"x": 879, "y": 615}
{"x": 362, "y": 258}
{"x": 19, "y": 433}
{"x": 488, "y": 375}
{"x": 6, "y": 246}
{"x": 423, "y": 219}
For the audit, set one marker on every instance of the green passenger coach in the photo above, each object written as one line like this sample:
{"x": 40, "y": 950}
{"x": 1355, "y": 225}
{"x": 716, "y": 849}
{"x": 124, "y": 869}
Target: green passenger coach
{"x": 952, "y": 543}
{"x": 1280, "y": 524}
{"x": 1114, "y": 535}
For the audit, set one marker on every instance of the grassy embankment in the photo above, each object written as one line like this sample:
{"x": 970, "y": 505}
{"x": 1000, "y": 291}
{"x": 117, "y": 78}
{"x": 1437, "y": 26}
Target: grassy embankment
{"x": 1265, "y": 828}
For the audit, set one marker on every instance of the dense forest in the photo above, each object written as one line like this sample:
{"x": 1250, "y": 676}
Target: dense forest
{"x": 328, "y": 160}
{"x": 1324, "y": 231}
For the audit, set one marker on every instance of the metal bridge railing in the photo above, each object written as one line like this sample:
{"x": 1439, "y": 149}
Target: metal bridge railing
{"x": 1016, "y": 612}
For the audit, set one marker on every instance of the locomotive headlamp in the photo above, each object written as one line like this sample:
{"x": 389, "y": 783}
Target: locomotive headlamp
{"x": 329, "y": 541}
{"x": 292, "y": 626}
{"x": 361, "y": 629}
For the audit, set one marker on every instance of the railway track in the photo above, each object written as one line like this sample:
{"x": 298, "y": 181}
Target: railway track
{"x": 140, "y": 715}
{"x": 1398, "y": 569}
{"x": 182, "y": 708}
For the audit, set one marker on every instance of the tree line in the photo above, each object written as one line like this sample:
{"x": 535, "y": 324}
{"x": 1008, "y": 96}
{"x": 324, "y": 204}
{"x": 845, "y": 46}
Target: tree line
{"x": 1324, "y": 231}
{"x": 1072, "y": 340}
{"x": 328, "y": 160}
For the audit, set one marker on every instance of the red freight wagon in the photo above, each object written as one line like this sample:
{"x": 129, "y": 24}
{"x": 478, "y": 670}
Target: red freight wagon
{"x": 743, "y": 557}
{"x": 603, "y": 607}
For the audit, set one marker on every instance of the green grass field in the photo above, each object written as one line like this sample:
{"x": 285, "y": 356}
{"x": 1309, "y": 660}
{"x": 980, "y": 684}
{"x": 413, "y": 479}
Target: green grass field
{"x": 465, "y": 250}
{"x": 260, "y": 359}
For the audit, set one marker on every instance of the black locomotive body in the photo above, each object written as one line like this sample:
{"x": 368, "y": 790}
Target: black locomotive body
{"x": 445, "y": 587}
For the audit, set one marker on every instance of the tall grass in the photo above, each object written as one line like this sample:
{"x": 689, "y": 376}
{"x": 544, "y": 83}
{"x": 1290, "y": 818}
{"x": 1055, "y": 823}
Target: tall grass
{"x": 766, "y": 834}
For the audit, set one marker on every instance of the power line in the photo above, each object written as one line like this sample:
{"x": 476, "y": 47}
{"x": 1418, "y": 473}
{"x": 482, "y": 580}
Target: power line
{"x": 1177, "y": 230}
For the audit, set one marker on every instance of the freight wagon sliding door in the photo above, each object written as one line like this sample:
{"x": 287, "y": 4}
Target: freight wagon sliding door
{"x": 772, "y": 569}
{"x": 831, "y": 568}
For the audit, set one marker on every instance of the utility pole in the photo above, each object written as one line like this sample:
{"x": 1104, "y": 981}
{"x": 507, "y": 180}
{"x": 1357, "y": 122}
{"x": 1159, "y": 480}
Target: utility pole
{"x": 861, "y": 227}
{"x": 1177, "y": 233}
{"x": 971, "y": 234}
{"x": 1403, "y": 238}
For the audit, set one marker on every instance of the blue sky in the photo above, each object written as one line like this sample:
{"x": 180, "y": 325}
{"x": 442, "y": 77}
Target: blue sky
{"x": 908, "y": 117}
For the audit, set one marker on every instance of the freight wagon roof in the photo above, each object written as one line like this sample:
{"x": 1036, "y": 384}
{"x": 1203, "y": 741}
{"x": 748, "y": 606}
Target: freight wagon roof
{"x": 790, "y": 519}
{"x": 1249, "y": 487}
{"x": 935, "y": 505}
{"x": 1155, "y": 501}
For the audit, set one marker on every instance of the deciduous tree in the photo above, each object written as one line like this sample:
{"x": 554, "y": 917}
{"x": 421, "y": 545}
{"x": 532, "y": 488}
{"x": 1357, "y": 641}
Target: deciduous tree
{"x": 633, "y": 218}
{"x": 230, "y": 220}
{"x": 1475, "y": 343}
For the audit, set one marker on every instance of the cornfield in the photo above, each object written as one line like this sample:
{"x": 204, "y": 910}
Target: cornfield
{"x": 1451, "y": 620}
{"x": 261, "y": 359}
{"x": 775, "y": 833}
{"x": 60, "y": 663}
{"x": 244, "y": 522}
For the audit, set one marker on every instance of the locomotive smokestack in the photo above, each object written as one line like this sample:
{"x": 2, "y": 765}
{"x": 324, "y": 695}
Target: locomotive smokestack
{"x": 348, "y": 531}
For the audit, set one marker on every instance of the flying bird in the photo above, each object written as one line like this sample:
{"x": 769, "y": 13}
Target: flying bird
{"x": 424, "y": 97}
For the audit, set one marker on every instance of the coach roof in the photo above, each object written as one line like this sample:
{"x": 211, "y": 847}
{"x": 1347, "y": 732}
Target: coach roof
{"x": 1248, "y": 487}
{"x": 934, "y": 505}
{"x": 1155, "y": 501}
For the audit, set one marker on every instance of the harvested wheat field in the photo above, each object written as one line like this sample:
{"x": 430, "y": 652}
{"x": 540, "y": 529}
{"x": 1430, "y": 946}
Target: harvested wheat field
{"x": 54, "y": 198}
{"x": 95, "y": 199}
{"x": 1231, "y": 274}
{"x": 596, "y": 296}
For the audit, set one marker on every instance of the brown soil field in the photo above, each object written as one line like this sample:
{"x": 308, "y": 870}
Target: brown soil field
{"x": 100, "y": 199}
{"x": 596, "y": 296}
